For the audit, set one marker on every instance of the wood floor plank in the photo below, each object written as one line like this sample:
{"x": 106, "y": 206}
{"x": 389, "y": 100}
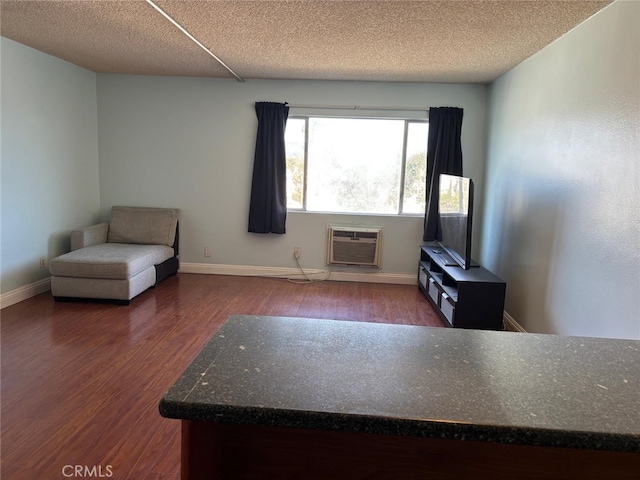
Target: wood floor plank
{"x": 81, "y": 382}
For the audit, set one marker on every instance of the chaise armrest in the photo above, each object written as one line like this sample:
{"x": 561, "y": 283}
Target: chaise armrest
{"x": 87, "y": 236}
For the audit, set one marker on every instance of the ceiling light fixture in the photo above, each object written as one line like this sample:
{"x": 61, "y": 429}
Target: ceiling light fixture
{"x": 195, "y": 40}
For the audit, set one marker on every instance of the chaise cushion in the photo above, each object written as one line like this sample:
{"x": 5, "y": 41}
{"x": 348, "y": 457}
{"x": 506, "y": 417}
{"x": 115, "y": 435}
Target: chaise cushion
{"x": 145, "y": 226}
{"x": 109, "y": 260}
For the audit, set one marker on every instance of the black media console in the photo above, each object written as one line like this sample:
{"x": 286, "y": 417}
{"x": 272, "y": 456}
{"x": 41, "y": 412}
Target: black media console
{"x": 471, "y": 298}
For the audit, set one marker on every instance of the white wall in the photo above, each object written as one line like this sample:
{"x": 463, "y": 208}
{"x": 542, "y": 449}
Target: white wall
{"x": 188, "y": 143}
{"x": 562, "y": 215}
{"x": 49, "y": 159}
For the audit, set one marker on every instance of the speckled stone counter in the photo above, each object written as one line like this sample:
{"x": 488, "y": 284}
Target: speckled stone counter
{"x": 502, "y": 387}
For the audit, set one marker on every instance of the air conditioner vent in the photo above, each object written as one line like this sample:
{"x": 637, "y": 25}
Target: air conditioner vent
{"x": 354, "y": 246}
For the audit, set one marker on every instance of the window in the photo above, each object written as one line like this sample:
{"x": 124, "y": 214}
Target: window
{"x": 356, "y": 165}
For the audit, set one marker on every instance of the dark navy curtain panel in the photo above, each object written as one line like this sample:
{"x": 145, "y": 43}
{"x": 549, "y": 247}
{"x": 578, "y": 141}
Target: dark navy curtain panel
{"x": 268, "y": 208}
{"x": 444, "y": 155}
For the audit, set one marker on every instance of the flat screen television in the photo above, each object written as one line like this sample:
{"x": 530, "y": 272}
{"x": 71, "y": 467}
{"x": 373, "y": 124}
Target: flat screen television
{"x": 455, "y": 204}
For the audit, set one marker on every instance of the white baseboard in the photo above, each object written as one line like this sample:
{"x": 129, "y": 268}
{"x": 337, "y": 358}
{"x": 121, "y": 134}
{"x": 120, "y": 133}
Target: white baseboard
{"x": 23, "y": 293}
{"x": 28, "y": 291}
{"x": 314, "y": 274}
{"x": 511, "y": 325}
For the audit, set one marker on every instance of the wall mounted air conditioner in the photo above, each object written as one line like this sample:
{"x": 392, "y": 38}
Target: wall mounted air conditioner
{"x": 354, "y": 246}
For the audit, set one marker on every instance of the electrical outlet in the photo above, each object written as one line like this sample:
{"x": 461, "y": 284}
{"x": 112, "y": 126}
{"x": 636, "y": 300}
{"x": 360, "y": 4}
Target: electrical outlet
{"x": 296, "y": 252}
{"x": 207, "y": 252}
{"x": 43, "y": 263}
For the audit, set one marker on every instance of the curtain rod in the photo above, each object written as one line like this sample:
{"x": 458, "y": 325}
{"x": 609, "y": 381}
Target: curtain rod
{"x": 359, "y": 107}
{"x": 195, "y": 40}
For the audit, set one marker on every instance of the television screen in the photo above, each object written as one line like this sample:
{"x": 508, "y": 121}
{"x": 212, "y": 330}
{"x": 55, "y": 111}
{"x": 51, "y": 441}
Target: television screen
{"x": 456, "y": 212}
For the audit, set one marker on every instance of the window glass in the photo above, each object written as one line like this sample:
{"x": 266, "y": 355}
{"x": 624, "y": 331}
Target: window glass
{"x": 415, "y": 168}
{"x": 356, "y": 165}
{"x": 294, "y": 139}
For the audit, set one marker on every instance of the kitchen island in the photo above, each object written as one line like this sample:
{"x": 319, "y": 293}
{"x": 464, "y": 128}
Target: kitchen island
{"x": 276, "y": 397}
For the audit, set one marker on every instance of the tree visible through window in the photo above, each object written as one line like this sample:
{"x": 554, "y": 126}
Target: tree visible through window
{"x": 356, "y": 165}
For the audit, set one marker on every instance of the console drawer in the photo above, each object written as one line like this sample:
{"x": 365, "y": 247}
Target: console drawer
{"x": 422, "y": 277}
{"x": 434, "y": 291}
{"x": 447, "y": 308}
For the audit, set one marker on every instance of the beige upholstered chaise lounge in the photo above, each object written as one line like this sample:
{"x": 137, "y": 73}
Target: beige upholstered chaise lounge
{"x": 118, "y": 260}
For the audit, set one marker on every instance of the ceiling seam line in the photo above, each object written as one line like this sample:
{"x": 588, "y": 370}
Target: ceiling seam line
{"x": 195, "y": 40}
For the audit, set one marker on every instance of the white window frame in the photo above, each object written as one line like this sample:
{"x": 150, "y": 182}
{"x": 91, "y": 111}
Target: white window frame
{"x": 407, "y": 122}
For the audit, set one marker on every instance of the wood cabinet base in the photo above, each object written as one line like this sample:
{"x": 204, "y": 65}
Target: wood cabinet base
{"x": 236, "y": 452}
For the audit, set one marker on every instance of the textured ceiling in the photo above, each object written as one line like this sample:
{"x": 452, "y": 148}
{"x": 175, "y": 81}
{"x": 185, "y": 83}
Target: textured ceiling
{"x": 472, "y": 41}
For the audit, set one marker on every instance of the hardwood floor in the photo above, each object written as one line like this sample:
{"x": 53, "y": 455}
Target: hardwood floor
{"x": 81, "y": 381}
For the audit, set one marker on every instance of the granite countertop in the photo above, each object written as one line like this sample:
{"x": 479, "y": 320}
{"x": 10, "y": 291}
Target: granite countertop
{"x": 479, "y": 385}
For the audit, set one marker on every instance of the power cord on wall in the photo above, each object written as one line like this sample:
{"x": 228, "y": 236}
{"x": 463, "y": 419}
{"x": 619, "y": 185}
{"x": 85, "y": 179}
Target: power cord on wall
{"x": 307, "y": 279}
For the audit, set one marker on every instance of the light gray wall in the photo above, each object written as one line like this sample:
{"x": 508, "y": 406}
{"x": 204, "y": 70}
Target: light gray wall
{"x": 49, "y": 159}
{"x": 562, "y": 215}
{"x": 188, "y": 143}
